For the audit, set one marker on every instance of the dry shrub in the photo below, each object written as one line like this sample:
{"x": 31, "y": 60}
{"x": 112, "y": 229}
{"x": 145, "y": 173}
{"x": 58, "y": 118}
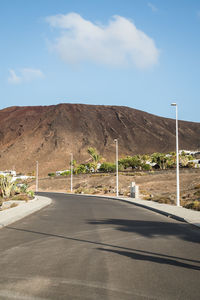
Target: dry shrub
{"x": 197, "y": 193}
{"x": 23, "y": 197}
{"x": 99, "y": 175}
{"x": 13, "y": 205}
{"x": 82, "y": 190}
{"x": 163, "y": 199}
{"x": 193, "y": 205}
{"x": 127, "y": 193}
{"x": 105, "y": 190}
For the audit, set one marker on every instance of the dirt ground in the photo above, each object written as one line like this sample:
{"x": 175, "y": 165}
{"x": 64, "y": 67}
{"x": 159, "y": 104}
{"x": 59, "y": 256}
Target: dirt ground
{"x": 158, "y": 185}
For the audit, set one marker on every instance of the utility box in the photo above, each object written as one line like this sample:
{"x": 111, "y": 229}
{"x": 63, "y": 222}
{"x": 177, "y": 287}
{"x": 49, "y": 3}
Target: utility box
{"x": 134, "y": 191}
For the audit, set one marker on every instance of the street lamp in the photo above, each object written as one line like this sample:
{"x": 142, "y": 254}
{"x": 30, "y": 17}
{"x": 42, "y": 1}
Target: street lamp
{"x": 117, "y": 177}
{"x": 71, "y": 172}
{"x": 177, "y": 158}
{"x": 36, "y": 183}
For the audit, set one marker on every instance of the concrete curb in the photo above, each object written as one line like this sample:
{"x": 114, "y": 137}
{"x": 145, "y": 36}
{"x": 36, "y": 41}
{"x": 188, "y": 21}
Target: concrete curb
{"x": 164, "y": 209}
{"x": 14, "y": 214}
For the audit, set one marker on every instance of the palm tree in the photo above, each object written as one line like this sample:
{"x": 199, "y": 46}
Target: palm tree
{"x": 95, "y": 157}
{"x": 160, "y": 159}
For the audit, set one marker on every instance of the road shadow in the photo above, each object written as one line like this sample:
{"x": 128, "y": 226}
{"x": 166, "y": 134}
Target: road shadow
{"x": 125, "y": 251}
{"x": 153, "y": 229}
{"x": 151, "y": 258}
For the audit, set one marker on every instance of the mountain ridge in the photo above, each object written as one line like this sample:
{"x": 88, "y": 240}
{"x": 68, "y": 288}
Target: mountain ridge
{"x": 49, "y": 134}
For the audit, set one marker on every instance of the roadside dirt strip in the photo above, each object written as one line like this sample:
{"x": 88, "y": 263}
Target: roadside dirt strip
{"x": 24, "y": 209}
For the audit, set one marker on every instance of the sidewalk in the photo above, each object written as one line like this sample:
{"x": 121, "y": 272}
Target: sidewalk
{"x": 23, "y": 209}
{"x": 176, "y": 212}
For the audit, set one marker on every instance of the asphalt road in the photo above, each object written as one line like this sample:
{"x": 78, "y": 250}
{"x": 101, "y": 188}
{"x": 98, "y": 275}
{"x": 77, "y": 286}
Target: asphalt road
{"x": 92, "y": 248}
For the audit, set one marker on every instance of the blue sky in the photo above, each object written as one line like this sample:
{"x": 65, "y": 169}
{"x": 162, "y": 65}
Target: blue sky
{"x": 136, "y": 53}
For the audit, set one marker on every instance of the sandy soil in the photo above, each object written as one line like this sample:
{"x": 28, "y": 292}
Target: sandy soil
{"x": 159, "y": 184}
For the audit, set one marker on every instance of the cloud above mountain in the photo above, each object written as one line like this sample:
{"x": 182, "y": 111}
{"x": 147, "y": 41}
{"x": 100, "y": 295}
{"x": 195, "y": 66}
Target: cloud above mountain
{"x": 119, "y": 43}
{"x": 24, "y": 75}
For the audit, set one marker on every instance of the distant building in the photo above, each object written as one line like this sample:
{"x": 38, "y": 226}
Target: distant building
{"x": 58, "y": 173}
{"x": 196, "y": 162}
{"x": 188, "y": 152}
{"x": 10, "y": 172}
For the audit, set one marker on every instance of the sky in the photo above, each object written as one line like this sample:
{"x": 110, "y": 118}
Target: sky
{"x": 136, "y": 53}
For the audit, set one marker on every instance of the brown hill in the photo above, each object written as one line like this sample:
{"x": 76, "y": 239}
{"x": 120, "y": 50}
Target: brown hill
{"x": 49, "y": 133}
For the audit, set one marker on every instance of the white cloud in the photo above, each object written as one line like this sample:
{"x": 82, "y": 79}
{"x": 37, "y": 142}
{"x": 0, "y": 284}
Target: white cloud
{"x": 152, "y": 6}
{"x": 25, "y": 75}
{"x": 13, "y": 77}
{"x": 119, "y": 43}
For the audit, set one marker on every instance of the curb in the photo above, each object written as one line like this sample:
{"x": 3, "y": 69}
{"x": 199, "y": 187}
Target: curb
{"x": 14, "y": 214}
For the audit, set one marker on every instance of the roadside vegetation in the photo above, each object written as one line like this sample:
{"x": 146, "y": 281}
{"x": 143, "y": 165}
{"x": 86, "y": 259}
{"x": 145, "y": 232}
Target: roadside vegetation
{"x": 141, "y": 169}
{"x": 145, "y": 162}
{"x": 13, "y": 190}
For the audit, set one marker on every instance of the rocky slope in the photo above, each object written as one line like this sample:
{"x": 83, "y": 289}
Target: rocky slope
{"x": 50, "y": 133}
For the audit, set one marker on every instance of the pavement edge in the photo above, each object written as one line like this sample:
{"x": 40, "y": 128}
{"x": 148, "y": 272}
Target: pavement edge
{"x": 14, "y": 214}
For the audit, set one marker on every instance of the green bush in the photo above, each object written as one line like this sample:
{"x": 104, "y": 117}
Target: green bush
{"x": 81, "y": 169}
{"x": 31, "y": 194}
{"x": 65, "y": 173}
{"x": 146, "y": 167}
{"x": 107, "y": 167}
{"x": 51, "y": 174}
{"x": 23, "y": 188}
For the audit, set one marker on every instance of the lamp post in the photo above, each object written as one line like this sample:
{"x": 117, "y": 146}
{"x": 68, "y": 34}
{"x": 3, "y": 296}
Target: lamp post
{"x": 177, "y": 159}
{"x": 71, "y": 172}
{"x": 36, "y": 183}
{"x": 117, "y": 175}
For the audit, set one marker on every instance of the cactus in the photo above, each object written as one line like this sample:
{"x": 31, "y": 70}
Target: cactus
{"x": 6, "y": 185}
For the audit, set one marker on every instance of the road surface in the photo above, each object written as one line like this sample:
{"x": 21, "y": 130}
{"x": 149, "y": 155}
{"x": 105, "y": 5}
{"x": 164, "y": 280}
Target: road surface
{"x": 93, "y": 248}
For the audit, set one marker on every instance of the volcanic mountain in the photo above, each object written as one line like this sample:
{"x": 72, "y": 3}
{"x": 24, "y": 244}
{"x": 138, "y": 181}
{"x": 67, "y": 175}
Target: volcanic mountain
{"x": 48, "y": 134}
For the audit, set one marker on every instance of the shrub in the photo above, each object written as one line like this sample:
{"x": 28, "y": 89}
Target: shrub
{"x": 193, "y": 205}
{"x": 146, "y": 167}
{"x": 51, "y": 174}
{"x": 23, "y": 188}
{"x": 197, "y": 193}
{"x": 107, "y": 167}
{"x": 1, "y": 202}
{"x": 99, "y": 175}
{"x": 13, "y": 205}
{"x": 65, "y": 173}
{"x": 81, "y": 169}
{"x": 23, "y": 197}
{"x": 31, "y": 194}
{"x": 105, "y": 190}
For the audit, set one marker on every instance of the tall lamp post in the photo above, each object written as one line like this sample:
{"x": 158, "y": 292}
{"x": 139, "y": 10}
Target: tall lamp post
{"x": 71, "y": 172}
{"x": 177, "y": 159}
{"x": 117, "y": 175}
{"x": 36, "y": 183}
